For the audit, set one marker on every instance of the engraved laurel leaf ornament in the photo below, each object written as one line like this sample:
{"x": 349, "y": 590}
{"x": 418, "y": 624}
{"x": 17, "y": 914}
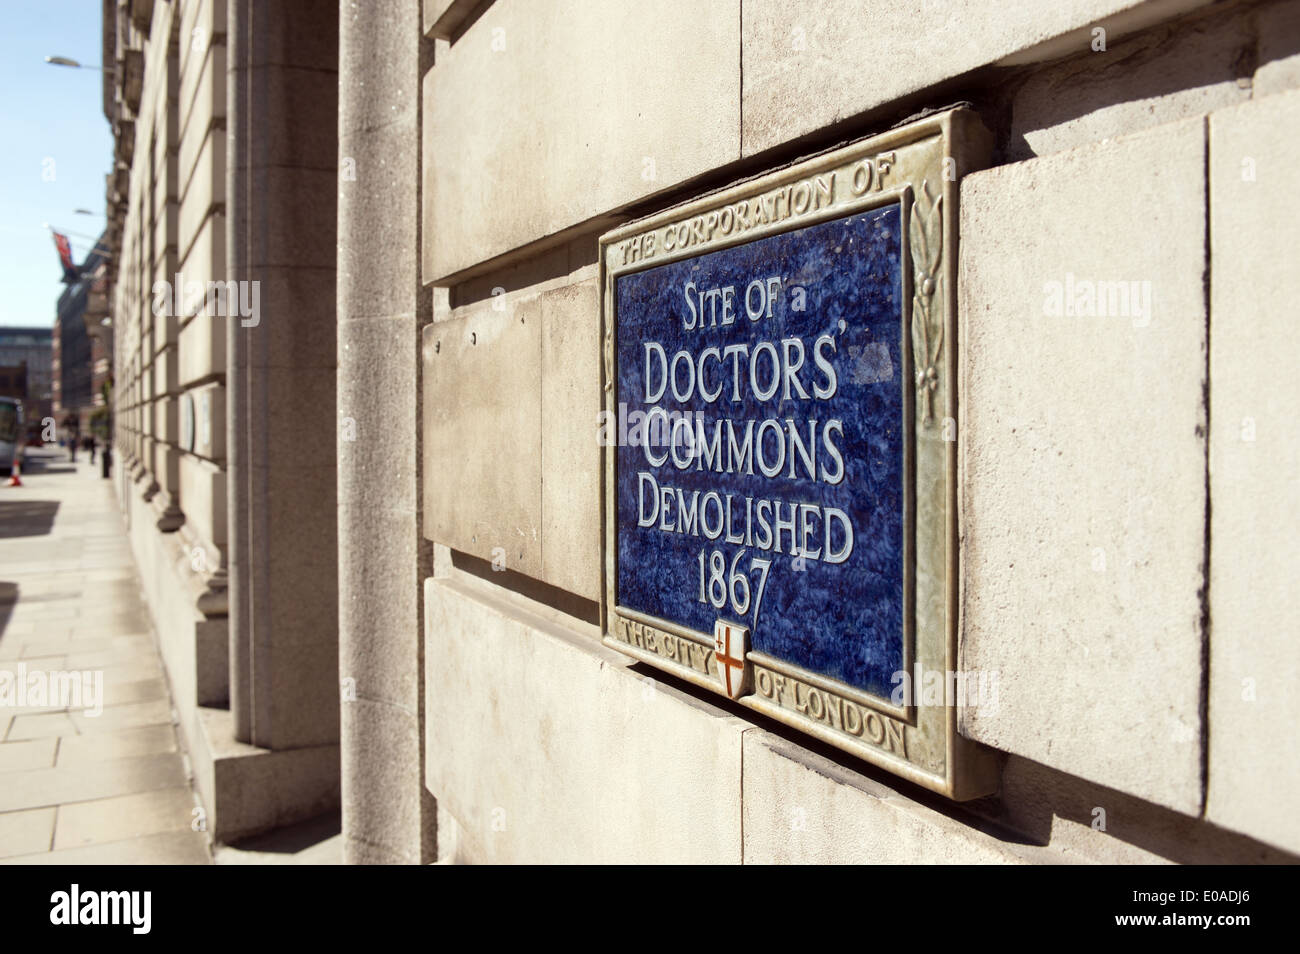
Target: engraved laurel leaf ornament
{"x": 925, "y": 235}
{"x": 609, "y": 359}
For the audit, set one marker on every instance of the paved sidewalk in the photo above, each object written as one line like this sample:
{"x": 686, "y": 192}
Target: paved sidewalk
{"x": 76, "y": 788}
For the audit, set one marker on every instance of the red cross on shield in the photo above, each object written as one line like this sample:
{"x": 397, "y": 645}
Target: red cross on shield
{"x": 730, "y": 644}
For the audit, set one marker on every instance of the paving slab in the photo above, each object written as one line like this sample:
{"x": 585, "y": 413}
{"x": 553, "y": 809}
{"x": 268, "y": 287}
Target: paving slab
{"x": 166, "y": 848}
{"x": 31, "y": 754}
{"x": 119, "y": 744}
{"x": 25, "y": 832}
{"x": 38, "y": 788}
{"x": 125, "y": 816}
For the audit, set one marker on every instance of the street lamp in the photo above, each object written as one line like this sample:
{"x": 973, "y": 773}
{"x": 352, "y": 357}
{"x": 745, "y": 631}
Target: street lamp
{"x": 68, "y": 61}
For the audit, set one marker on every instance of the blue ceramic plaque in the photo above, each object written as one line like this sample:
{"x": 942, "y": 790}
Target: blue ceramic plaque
{"x": 760, "y": 471}
{"x": 781, "y": 448}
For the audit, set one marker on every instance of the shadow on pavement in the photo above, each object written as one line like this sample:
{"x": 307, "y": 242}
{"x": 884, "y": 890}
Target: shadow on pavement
{"x": 27, "y": 518}
{"x": 293, "y": 838}
{"x": 8, "y": 600}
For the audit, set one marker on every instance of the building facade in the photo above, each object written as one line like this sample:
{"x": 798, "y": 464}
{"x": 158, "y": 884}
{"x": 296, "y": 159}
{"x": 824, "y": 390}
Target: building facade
{"x": 99, "y": 329}
{"x": 360, "y": 364}
{"x": 77, "y": 319}
{"x": 32, "y": 349}
{"x": 13, "y": 381}
{"x": 220, "y": 196}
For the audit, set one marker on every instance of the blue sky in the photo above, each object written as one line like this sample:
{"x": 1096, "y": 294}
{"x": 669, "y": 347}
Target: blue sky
{"x": 48, "y": 112}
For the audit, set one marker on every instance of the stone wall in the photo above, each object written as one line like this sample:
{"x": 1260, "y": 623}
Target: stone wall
{"x": 199, "y": 286}
{"x": 388, "y": 479}
{"x": 1125, "y": 472}
{"x": 170, "y": 361}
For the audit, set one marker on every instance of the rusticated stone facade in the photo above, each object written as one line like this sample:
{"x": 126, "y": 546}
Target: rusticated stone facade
{"x": 367, "y": 499}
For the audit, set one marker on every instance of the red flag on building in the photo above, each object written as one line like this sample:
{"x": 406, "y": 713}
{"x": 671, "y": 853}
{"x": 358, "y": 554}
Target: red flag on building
{"x": 65, "y": 257}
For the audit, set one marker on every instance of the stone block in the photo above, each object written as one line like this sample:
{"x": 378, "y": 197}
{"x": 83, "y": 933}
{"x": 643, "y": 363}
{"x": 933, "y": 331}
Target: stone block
{"x": 300, "y": 219}
{"x": 809, "y": 67}
{"x": 1254, "y": 701}
{"x": 382, "y": 803}
{"x": 571, "y": 456}
{"x": 202, "y": 257}
{"x": 305, "y": 102}
{"x": 212, "y": 661}
{"x": 202, "y": 348}
{"x": 801, "y": 808}
{"x": 165, "y": 239}
{"x": 304, "y": 679}
{"x": 296, "y": 317}
{"x": 168, "y": 461}
{"x": 165, "y": 185}
{"x": 283, "y": 41}
{"x": 1160, "y": 76}
{"x": 161, "y": 127}
{"x": 203, "y": 498}
{"x": 201, "y": 95}
{"x": 151, "y": 453}
{"x": 522, "y": 368}
{"x": 248, "y": 790}
{"x": 622, "y": 754}
{"x": 482, "y": 380}
{"x": 166, "y": 328}
{"x": 1082, "y": 443}
{"x": 633, "y": 98}
{"x": 166, "y": 419}
{"x": 374, "y": 469}
{"x": 208, "y": 18}
{"x": 295, "y": 631}
{"x": 300, "y": 531}
{"x": 299, "y": 423}
{"x": 377, "y": 549}
{"x": 386, "y": 51}
{"x": 386, "y": 166}
{"x": 202, "y": 184}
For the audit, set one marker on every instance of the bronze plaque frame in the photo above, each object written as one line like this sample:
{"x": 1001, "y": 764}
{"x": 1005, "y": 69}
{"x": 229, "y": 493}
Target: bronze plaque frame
{"x": 917, "y": 166}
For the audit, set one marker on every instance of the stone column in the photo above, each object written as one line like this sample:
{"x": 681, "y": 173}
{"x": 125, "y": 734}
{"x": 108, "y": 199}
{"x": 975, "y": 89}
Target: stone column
{"x": 282, "y": 190}
{"x": 237, "y": 200}
{"x": 388, "y": 815}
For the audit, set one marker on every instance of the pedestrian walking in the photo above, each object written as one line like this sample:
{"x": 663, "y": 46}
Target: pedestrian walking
{"x": 73, "y": 435}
